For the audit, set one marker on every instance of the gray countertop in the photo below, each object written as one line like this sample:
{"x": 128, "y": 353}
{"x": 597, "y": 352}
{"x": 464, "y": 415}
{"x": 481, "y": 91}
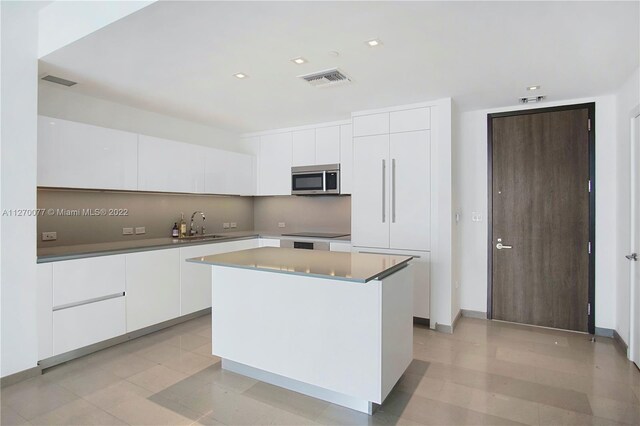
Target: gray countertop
{"x": 79, "y": 251}
{"x": 356, "y": 267}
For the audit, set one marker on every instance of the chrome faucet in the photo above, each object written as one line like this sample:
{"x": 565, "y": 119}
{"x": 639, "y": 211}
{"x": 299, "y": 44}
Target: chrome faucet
{"x": 195, "y": 231}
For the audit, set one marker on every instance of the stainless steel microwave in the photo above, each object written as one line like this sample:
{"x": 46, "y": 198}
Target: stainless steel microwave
{"x": 315, "y": 180}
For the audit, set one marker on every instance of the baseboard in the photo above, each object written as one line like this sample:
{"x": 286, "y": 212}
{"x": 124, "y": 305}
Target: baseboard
{"x": 448, "y": 329}
{"x": 421, "y": 321}
{"x": 604, "y": 332}
{"x": 620, "y": 343}
{"x": 467, "y": 313}
{"x": 20, "y": 376}
{"x": 77, "y": 353}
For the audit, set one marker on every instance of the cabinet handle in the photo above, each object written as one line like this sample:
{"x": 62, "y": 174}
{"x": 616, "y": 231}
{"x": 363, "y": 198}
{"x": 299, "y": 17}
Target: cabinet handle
{"x": 324, "y": 181}
{"x": 393, "y": 189}
{"x": 384, "y": 181}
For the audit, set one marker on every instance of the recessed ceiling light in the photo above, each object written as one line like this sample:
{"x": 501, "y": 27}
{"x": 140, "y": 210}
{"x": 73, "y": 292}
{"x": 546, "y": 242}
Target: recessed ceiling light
{"x": 299, "y": 60}
{"x": 533, "y": 87}
{"x": 374, "y": 42}
{"x": 240, "y": 75}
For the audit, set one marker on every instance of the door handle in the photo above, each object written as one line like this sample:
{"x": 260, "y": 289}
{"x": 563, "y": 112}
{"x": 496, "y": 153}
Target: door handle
{"x": 393, "y": 189}
{"x": 632, "y": 256}
{"x": 384, "y": 181}
{"x": 501, "y": 246}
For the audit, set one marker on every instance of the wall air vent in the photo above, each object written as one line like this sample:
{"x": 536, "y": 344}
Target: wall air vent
{"x": 326, "y": 78}
{"x": 58, "y": 80}
{"x": 531, "y": 99}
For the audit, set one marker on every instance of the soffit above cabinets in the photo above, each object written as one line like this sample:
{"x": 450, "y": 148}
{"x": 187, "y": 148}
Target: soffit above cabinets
{"x": 179, "y": 58}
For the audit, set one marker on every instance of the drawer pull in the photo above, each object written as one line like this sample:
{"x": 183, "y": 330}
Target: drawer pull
{"x": 86, "y": 302}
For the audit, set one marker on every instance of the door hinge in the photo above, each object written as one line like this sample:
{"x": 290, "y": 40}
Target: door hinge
{"x": 589, "y": 247}
{"x": 589, "y": 185}
{"x": 588, "y": 308}
{"x": 589, "y": 125}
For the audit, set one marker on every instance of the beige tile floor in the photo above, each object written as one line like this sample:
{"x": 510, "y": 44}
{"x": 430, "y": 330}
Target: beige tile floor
{"x": 488, "y": 373}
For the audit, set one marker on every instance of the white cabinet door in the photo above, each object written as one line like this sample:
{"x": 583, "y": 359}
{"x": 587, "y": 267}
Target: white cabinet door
{"x": 80, "y": 280}
{"x": 269, "y": 242}
{"x": 338, "y": 246}
{"x": 170, "y": 166}
{"x": 410, "y": 191}
{"x": 229, "y": 173}
{"x": 274, "y": 165}
{"x": 85, "y": 325}
{"x": 195, "y": 278}
{"x": 409, "y": 120}
{"x": 368, "y": 125}
{"x": 370, "y": 199}
{"x": 327, "y": 145}
{"x": 421, "y": 263}
{"x": 346, "y": 159}
{"x": 44, "y": 310}
{"x": 153, "y": 287}
{"x": 78, "y": 155}
{"x": 304, "y": 148}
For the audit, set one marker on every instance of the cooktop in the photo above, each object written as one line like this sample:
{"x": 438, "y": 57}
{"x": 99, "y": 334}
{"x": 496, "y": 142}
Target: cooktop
{"x": 316, "y": 234}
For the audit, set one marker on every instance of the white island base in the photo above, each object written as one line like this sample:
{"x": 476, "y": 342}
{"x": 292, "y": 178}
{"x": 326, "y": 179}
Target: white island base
{"x": 338, "y": 340}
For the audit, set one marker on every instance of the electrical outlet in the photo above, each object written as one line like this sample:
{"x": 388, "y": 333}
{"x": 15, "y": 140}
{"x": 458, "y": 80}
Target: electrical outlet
{"x": 127, "y": 231}
{"x": 476, "y": 217}
{"x": 234, "y": 225}
{"x": 281, "y": 224}
{"x": 49, "y": 236}
{"x": 141, "y": 230}
{"x": 225, "y": 225}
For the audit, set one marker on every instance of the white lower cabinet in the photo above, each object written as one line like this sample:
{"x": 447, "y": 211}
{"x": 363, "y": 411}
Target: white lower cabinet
{"x": 269, "y": 242}
{"x": 153, "y": 287}
{"x": 44, "y": 310}
{"x": 195, "y": 278}
{"x": 84, "y": 325}
{"x": 340, "y": 246}
{"x": 421, "y": 269}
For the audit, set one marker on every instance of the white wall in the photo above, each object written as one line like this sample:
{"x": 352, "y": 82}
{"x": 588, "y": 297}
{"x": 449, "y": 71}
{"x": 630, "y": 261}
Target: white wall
{"x": 628, "y": 100}
{"x": 18, "y": 182}
{"x": 66, "y": 103}
{"x": 471, "y": 196}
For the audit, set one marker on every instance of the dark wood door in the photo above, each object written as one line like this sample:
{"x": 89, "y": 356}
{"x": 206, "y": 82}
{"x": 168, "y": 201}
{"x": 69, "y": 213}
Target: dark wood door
{"x": 540, "y": 208}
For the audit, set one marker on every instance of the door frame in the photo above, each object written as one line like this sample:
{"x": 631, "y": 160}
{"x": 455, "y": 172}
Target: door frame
{"x": 634, "y": 169}
{"x": 591, "y": 108}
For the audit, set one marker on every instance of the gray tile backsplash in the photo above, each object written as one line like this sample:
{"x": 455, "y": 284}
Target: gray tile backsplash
{"x": 157, "y": 212}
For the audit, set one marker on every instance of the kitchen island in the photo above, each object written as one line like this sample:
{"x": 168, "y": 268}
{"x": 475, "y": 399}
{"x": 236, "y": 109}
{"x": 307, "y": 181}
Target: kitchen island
{"x": 335, "y": 326}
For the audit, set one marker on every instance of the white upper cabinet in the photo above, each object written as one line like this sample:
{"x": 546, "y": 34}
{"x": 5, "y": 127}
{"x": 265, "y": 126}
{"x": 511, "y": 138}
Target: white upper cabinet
{"x": 346, "y": 159}
{"x": 304, "y": 148}
{"x": 373, "y": 124}
{"x": 410, "y": 190}
{"x": 78, "y": 155}
{"x": 327, "y": 149}
{"x": 409, "y": 120}
{"x": 274, "y": 164}
{"x": 229, "y": 173}
{"x": 165, "y": 165}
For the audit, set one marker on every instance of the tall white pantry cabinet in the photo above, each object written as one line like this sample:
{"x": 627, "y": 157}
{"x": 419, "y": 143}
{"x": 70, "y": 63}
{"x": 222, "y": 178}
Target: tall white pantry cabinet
{"x": 391, "y": 200}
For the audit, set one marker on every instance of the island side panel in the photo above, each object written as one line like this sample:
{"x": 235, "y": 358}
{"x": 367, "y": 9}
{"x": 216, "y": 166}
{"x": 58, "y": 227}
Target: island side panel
{"x": 318, "y": 331}
{"x": 397, "y": 326}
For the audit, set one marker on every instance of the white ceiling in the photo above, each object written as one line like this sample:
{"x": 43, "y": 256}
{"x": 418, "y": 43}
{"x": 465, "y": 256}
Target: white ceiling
{"x": 178, "y": 58}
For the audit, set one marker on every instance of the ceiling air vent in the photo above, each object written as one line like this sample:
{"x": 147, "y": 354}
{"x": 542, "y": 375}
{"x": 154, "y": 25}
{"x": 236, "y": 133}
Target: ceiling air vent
{"x": 58, "y": 80}
{"x": 531, "y": 99}
{"x": 326, "y": 78}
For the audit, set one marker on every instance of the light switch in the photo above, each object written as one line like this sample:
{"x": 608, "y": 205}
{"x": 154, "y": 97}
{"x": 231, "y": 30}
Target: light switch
{"x": 127, "y": 231}
{"x": 281, "y": 224}
{"x": 234, "y": 225}
{"x": 225, "y": 225}
{"x": 141, "y": 230}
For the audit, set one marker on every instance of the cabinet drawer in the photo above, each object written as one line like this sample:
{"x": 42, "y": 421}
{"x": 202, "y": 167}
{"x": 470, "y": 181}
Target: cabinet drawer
{"x": 410, "y": 119}
{"x": 85, "y": 279}
{"x": 84, "y": 325}
{"x": 374, "y": 124}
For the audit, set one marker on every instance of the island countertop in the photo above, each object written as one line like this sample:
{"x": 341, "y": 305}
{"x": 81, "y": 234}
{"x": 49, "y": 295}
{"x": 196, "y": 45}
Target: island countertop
{"x": 356, "y": 267}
